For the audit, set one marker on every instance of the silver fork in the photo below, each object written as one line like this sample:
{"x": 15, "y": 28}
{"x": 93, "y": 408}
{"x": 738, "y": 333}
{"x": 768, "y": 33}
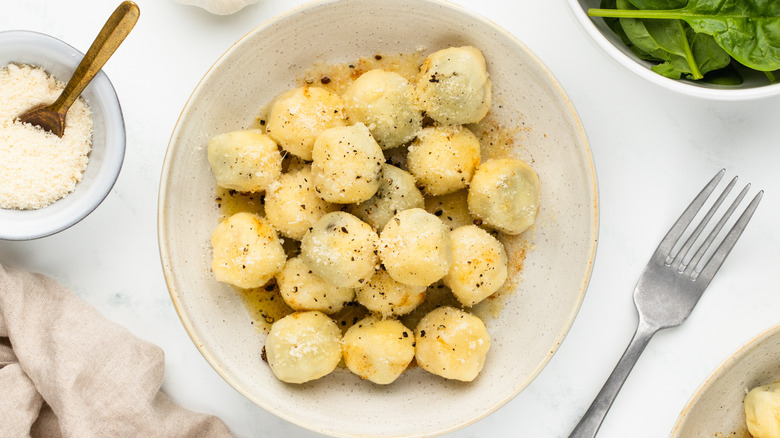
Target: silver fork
{"x": 670, "y": 286}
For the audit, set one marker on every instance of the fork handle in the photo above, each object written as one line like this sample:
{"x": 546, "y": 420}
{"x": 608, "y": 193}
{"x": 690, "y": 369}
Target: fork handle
{"x": 591, "y": 421}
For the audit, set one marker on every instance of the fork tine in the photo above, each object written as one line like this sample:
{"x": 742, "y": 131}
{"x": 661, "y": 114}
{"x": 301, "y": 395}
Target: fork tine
{"x": 679, "y": 259}
{"x": 677, "y": 230}
{"x": 714, "y": 233}
{"x": 731, "y": 238}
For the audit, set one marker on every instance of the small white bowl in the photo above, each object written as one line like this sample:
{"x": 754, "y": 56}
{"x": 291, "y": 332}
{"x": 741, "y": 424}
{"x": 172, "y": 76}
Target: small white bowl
{"x": 716, "y": 408}
{"x": 108, "y": 139}
{"x": 754, "y": 86}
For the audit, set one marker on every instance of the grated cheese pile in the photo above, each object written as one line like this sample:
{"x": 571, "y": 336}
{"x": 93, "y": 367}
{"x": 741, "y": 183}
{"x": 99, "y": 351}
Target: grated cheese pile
{"x": 36, "y": 167}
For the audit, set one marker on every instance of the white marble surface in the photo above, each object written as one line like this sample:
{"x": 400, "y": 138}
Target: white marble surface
{"x": 653, "y": 150}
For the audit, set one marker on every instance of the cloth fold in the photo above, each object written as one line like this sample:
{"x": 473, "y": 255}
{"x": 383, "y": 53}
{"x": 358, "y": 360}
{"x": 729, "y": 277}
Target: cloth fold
{"x": 66, "y": 370}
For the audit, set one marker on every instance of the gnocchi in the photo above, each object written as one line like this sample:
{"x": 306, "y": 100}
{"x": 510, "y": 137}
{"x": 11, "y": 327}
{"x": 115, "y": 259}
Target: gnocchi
{"x": 346, "y": 164}
{"x": 378, "y": 350}
{"x": 292, "y": 205}
{"x": 384, "y": 101}
{"x": 386, "y": 297}
{"x": 302, "y": 289}
{"x": 246, "y": 251}
{"x": 247, "y": 161}
{"x": 452, "y": 208}
{"x": 303, "y": 346}
{"x": 504, "y": 195}
{"x": 454, "y": 87}
{"x": 451, "y": 343}
{"x": 340, "y": 249}
{"x": 415, "y": 248}
{"x": 298, "y": 116}
{"x": 397, "y": 192}
{"x": 443, "y": 158}
{"x": 762, "y": 411}
{"x": 479, "y": 265}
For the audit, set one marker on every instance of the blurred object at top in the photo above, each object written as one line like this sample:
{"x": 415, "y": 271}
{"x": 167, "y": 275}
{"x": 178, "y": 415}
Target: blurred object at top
{"x": 219, "y": 7}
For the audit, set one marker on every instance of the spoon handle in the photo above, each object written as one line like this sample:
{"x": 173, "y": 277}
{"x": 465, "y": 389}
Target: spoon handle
{"x": 117, "y": 27}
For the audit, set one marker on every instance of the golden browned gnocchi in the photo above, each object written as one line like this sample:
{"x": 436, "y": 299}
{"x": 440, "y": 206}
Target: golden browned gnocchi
{"x": 292, "y": 205}
{"x": 451, "y": 343}
{"x": 443, "y": 158}
{"x": 452, "y": 208}
{"x": 415, "y": 247}
{"x": 247, "y": 161}
{"x": 302, "y": 289}
{"x": 386, "y": 297}
{"x": 454, "y": 88}
{"x": 397, "y": 192}
{"x": 504, "y": 194}
{"x": 303, "y": 346}
{"x": 384, "y": 101}
{"x": 479, "y": 265}
{"x": 762, "y": 411}
{"x": 377, "y": 349}
{"x": 341, "y": 249}
{"x": 347, "y": 163}
{"x": 246, "y": 251}
{"x": 298, "y": 116}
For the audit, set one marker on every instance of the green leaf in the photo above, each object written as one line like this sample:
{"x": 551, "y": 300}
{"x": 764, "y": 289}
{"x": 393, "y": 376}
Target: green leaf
{"x": 667, "y": 69}
{"x": 748, "y": 30}
{"x": 641, "y": 54}
{"x": 673, "y": 37}
{"x": 637, "y": 33}
{"x": 709, "y": 55}
{"x": 614, "y": 25}
{"x": 728, "y": 76}
{"x": 659, "y": 39}
{"x": 680, "y": 50}
{"x": 658, "y": 4}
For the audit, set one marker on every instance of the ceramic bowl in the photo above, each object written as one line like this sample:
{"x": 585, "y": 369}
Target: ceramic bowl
{"x": 716, "y": 408}
{"x": 532, "y": 320}
{"x": 108, "y": 139}
{"x": 755, "y": 85}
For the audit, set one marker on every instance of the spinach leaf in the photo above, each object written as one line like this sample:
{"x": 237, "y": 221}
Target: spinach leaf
{"x": 615, "y": 26}
{"x": 614, "y": 23}
{"x": 680, "y": 50}
{"x": 728, "y": 76}
{"x": 667, "y": 69}
{"x": 748, "y": 30}
{"x": 708, "y": 53}
{"x": 658, "y": 4}
{"x": 704, "y": 56}
{"x": 639, "y": 37}
{"x": 672, "y": 36}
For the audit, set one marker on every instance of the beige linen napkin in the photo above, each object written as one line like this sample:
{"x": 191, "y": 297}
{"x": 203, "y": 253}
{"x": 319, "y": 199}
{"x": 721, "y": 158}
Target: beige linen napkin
{"x": 65, "y": 370}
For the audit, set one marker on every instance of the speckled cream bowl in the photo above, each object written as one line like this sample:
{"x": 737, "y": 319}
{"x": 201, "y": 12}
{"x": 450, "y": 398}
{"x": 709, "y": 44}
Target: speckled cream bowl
{"x": 755, "y": 85}
{"x": 108, "y": 138}
{"x": 716, "y": 408}
{"x": 532, "y": 321}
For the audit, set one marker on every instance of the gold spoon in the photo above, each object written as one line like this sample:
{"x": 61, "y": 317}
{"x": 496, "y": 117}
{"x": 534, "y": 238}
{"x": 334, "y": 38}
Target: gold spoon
{"x": 52, "y": 117}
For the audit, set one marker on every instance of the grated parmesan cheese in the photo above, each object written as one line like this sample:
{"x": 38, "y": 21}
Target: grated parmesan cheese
{"x": 38, "y": 168}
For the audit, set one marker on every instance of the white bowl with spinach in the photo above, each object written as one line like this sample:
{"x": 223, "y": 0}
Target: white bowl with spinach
{"x": 718, "y": 49}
